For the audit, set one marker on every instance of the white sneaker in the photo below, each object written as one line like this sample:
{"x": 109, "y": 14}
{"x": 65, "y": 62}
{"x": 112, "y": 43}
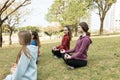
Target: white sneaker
{"x": 71, "y": 67}
{"x": 56, "y": 57}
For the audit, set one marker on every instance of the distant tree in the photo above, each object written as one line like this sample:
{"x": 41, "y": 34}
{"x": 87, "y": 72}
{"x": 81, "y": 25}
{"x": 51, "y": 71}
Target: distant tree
{"x": 4, "y": 28}
{"x": 68, "y": 12}
{"x": 5, "y": 5}
{"x": 102, "y": 6}
{"x": 52, "y": 30}
{"x": 30, "y": 28}
{"x": 11, "y": 23}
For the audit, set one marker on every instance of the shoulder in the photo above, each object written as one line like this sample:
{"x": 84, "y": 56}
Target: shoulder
{"x": 33, "y": 50}
{"x": 33, "y": 42}
{"x": 87, "y": 39}
{"x": 67, "y": 37}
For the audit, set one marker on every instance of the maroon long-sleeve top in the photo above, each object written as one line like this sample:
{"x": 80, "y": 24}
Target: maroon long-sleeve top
{"x": 81, "y": 48}
{"x": 65, "y": 44}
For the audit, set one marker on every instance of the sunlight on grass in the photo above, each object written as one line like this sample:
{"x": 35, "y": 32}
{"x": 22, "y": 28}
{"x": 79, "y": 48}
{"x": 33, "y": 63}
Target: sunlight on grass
{"x": 104, "y": 61}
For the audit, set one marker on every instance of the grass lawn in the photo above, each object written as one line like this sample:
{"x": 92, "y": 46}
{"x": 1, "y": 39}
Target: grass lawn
{"x": 103, "y": 57}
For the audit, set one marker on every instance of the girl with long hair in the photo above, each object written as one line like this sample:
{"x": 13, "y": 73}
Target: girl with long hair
{"x": 65, "y": 44}
{"x": 36, "y": 42}
{"x": 25, "y": 67}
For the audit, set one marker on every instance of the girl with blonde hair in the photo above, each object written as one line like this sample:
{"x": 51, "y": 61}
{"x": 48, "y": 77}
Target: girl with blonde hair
{"x": 25, "y": 67}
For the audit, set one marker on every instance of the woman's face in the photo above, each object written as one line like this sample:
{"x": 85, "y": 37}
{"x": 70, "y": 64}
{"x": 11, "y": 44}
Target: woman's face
{"x": 32, "y": 36}
{"x": 66, "y": 30}
{"x": 80, "y": 30}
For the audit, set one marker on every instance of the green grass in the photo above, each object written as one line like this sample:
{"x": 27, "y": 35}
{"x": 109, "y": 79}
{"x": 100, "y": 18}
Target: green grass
{"x": 103, "y": 57}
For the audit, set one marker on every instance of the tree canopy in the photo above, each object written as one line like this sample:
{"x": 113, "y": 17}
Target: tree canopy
{"x": 102, "y": 6}
{"x": 68, "y": 12}
{"x": 8, "y": 5}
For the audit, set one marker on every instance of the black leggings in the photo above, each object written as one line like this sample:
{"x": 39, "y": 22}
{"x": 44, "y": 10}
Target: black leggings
{"x": 74, "y": 62}
{"x": 57, "y": 53}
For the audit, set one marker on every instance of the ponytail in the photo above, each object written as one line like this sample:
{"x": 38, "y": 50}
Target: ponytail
{"x": 88, "y": 33}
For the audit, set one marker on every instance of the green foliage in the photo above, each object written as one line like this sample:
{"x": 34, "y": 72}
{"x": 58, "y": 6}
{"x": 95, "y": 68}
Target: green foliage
{"x": 7, "y": 28}
{"x": 75, "y": 11}
{"x": 54, "y": 13}
{"x": 67, "y": 12}
{"x": 4, "y": 28}
{"x": 50, "y": 30}
{"x": 102, "y": 5}
{"x": 29, "y": 28}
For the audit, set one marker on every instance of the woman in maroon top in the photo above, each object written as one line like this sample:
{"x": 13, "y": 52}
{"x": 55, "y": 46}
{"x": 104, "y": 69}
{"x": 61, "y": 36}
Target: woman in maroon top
{"x": 79, "y": 56}
{"x": 65, "y": 43}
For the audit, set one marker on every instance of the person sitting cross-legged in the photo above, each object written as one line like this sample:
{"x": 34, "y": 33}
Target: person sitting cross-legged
{"x": 79, "y": 56}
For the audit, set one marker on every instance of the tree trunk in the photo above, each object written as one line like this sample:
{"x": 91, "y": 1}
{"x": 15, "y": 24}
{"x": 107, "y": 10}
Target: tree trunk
{"x": 75, "y": 31}
{"x": 75, "y": 26}
{"x": 1, "y": 34}
{"x": 10, "y": 40}
{"x": 50, "y": 36}
{"x": 101, "y": 26}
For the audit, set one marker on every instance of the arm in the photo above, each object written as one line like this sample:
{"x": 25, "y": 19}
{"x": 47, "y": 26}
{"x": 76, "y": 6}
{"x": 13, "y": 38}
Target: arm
{"x": 65, "y": 41}
{"x": 83, "y": 48}
{"x": 22, "y": 67}
{"x": 39, "y": 51}
{"x": 70, "y": 51}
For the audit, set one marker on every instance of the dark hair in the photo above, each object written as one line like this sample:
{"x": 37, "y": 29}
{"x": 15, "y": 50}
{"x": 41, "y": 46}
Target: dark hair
{"x": 69, "y": 31}
{"x": 36, "y": 38}
{"x": 85, "y": 27}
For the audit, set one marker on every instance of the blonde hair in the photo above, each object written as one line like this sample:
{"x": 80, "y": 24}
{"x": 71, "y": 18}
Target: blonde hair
{"x": 24, "y": 40}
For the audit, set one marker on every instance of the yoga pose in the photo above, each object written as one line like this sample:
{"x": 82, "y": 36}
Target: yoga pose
{"x": 25, "y": 67}
{"x": 65, "y": 44}
{"x": 79, "y": 56}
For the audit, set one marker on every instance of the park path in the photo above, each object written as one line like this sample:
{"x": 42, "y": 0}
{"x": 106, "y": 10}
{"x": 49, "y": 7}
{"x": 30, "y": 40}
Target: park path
{"x": 105, "y": 36}
{"x": 47, "y": 40}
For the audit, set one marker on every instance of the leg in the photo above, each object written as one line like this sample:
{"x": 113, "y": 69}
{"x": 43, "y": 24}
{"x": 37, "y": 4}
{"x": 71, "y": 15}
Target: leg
{"x": 76, "y": 63}
{"x": 66, "y": 60}
{"x": 53, "y": 51}
{"x": 57, "y": 53}
{"x": 63, "y": 54}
